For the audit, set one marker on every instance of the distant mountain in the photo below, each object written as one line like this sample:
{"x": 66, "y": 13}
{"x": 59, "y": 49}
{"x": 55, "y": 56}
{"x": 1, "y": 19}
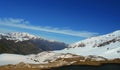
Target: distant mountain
{"x": 24, "y": 43}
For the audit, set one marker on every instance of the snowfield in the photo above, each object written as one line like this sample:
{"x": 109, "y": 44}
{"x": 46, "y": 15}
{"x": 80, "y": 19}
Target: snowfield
{"x": 12, "y": 59}
{"x": 97, "y": 51}
{"x": 87, "y": 47}
{"x": 41, "y": 58}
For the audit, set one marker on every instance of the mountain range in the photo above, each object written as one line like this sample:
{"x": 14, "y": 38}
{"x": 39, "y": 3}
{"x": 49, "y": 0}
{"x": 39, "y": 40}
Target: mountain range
{"x": 92, "y": 51}
{"x": 25, "y": 43}
{"x": 99, "y": 48}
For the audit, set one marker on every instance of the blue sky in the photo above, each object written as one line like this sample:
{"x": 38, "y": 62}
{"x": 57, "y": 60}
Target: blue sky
{"x": 63, "y": 20}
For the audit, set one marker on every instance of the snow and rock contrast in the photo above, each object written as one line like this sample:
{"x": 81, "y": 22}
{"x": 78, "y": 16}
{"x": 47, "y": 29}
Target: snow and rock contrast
{"x": 92, "y": 51}
{"x": 41, "y": 58}
{"x": 17, "y": 36}
{"x": 99, "y": 41}
{"x": 25, "y": 43}
{"x": 107, "y": 46}
{"x": 47, "y": 58}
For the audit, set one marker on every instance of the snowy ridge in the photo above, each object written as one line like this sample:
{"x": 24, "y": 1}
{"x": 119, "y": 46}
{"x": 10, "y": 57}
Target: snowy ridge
{"x": 28, "y": 40}
{"x": 21, "y": 36}
{"x": 17, "y": 36}
{"x": 109, "y": 46}
{"x": 95, "y": 41}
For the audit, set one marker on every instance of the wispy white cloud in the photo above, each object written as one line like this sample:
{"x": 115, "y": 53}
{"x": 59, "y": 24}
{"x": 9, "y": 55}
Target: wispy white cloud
{"x": 21, "y": 23}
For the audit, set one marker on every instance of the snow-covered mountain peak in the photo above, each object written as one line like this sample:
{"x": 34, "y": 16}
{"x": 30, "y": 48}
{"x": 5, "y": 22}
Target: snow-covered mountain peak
{"x": 99, "y": 41}
{"x": 17, "y": 36}
{"x": 22, "y": 35}
{"x": 116, "y": 33}
{"x": 27, "y": 39}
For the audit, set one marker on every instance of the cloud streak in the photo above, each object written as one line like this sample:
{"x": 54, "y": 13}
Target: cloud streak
{"x": 21, "y": 23}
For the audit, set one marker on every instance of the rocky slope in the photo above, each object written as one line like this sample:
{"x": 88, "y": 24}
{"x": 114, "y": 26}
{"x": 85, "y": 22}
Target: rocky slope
{"x": 24, "y": 43}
